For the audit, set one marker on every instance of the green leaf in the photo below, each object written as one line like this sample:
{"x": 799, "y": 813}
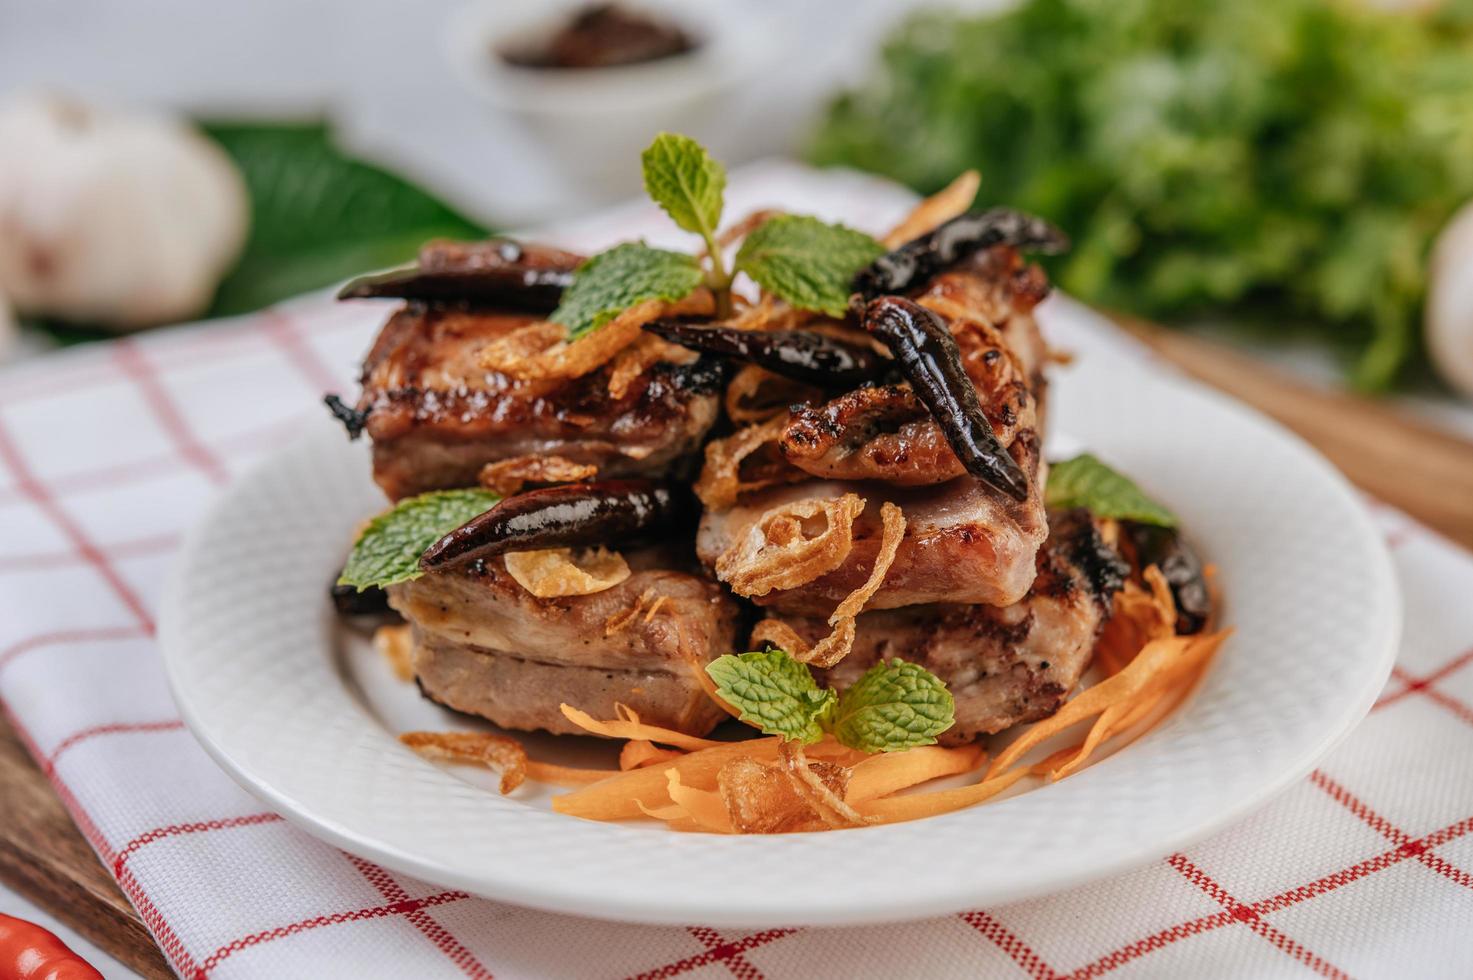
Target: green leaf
{"x": 681, "y": 177}
{"x": 894, "y": 706}
{"x": 612, "y": 281}
{"x": 388, "y": 550}
{"x": 807, "y": 262}
{"x": 319, "y": 215}
{"x": 1086, "y": 482}
{"x": 773, "y": 692}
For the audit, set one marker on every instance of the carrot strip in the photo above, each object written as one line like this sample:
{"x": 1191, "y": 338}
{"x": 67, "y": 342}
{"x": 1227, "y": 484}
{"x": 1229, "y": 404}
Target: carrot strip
{"x": 894, "y": 809}
{"x": 642, "y": 752}
{"x": 881, "y": 775}
{"x": 549, "y": 772}
{"x": 1172, "y": 653}
{"x": 632, "y": 727}
{"x": 702, "y": 806}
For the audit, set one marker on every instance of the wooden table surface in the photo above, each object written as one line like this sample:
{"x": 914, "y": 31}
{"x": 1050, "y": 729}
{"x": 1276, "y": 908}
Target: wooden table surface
{"x": 1391, "y": 455}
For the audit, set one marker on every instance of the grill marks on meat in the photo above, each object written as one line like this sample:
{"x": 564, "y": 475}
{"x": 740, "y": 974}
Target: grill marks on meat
{"x": 484, "y": 645}
{"x": 964, "y": 542}
{"x": 436, "y": 416}
{"x": 1003, "y": 665}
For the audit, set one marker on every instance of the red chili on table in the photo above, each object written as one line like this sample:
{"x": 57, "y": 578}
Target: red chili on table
{"x": 28, "y": 952}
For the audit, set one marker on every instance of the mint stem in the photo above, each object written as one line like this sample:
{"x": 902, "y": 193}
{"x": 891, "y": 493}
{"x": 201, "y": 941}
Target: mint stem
{"x": 719, "y": 279}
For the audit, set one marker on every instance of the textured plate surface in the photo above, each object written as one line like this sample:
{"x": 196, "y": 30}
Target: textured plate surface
{"x": 270, "y": 688}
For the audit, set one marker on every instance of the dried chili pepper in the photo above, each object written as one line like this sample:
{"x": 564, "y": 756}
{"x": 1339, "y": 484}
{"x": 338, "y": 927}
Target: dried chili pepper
{"x": 574, "y": 514}
{"x": 353, "y": 419}
{"x": 802, "y": 355}
{"x": 1164, "y": 548}
{"x": 915, "y": 263}
{"x": 499, "y": 273}
{"x": 929, "y": 358}
{"x": 349, "y": 601}
{"x": 29, "y": 952}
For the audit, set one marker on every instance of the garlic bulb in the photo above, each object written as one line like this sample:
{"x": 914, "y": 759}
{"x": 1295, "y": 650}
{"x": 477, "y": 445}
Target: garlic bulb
{"x": 1449, "y": 315}
{"x": 112, "y": 219}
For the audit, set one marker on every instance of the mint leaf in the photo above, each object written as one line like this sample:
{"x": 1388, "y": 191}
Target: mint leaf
{"x": 681, "y": 177}
{"x": 807, "y": 262}
{"x": 774, "y": 693}
{"x": 1086, "y": 482}
{"x": 894, "y": 706}
{"x": 611, "y": 282}
{"x": 388, "y": 550}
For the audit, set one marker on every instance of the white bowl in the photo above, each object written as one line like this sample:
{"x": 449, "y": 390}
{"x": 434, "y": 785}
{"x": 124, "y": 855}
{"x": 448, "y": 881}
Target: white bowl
{"x": 594, "y": 121}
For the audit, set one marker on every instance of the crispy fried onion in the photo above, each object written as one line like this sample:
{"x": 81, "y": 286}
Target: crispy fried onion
{"x": 756, "y": 394}
{"x": 496, "y": 751}
{"x": 539, "y": 350}
{"x": 644, "y": 609}
{"x": 551, "y": 573}
{"x": 825, "y": 653}
{"x": 941, "y": 207}
{"x": 395, "y": 645}
{"x": 836, "y": 646}
{"x": 745, "y": 462}
{"x": 763, "y": 798}
{"x": 639, "y": 357}
{"x": 509, "y": 476}
{"x": 791, "y": 545}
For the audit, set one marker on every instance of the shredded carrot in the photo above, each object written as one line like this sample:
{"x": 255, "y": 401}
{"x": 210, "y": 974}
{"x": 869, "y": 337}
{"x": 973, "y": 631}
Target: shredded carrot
{"x": 629, "y": 726}
{"x": 881, "y": 775}
{"x": 642, "y": 752}
{"x": 556, "y": 775}
{"x": 1148, "y": 669}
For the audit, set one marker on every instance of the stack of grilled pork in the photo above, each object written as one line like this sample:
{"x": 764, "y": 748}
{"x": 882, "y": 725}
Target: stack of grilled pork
{"x": 822, "y": 484}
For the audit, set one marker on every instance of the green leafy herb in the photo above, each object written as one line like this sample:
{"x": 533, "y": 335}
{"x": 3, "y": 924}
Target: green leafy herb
{"x": 613, "y": 281}
{"x": 681, "y": 177}
{"x": 774, "y": 693}
{"x": 799, "y": 259}
{"x": 1086, "y": 482}
{"x": 807, "y": 262}
{"x": 894, "y": 706}
{"x": 388, "y": 550}
{"x": 319, "y": 215}
{"x": 1289, "y": 161}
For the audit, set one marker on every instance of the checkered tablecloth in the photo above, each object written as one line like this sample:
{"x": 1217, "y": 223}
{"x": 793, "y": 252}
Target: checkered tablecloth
{"x": 109, "y": 453}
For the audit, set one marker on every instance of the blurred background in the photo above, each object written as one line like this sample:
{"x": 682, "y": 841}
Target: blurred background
{"x": 1289, "y": 175}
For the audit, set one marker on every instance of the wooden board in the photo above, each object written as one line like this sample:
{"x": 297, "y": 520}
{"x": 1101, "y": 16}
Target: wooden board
{"x": 1391, "y": 455}
{"x": 44, "y": 858}
{"x": 1398, "y": 459}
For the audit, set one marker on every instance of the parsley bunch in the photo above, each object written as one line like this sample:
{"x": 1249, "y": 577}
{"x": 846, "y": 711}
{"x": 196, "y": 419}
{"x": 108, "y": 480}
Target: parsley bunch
{"x": 1288, "y": 161}
{"x": 802, "y": 260}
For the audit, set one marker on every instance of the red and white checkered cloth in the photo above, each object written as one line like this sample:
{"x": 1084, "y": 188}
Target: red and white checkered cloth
{"x": 109, "y": 453}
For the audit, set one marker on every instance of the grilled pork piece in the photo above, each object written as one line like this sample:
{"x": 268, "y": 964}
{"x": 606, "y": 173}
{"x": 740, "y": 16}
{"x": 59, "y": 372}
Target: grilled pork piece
{"x": 965, "y": 542}
{"x": 1007, "y": 665}
{"x": 486, "y": 646}
{"x": 436, "y": 416}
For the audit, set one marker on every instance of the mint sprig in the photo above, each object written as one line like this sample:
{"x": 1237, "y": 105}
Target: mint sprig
{"x": 388, "y": 550}
{"x": 801, "y": 260}
{"x": 685, "y": 180}
{"x": 807, "y": 262}
{"x": 1085, "y": 481}
{"x": 773, "y": 692}
{"x": 613, "y": 281}
{"x": 894, "y": 706}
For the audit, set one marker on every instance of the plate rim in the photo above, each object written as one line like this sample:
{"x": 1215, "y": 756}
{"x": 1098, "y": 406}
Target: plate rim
{"x": 567, "y": 898}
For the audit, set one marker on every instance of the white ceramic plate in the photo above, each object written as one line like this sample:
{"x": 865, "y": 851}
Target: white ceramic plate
{"x": 304, "y": 716}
